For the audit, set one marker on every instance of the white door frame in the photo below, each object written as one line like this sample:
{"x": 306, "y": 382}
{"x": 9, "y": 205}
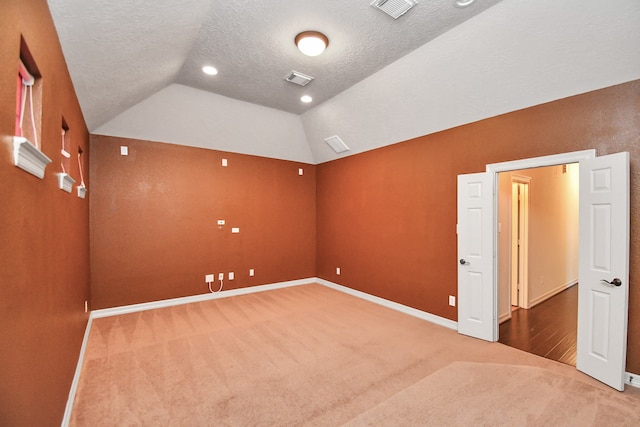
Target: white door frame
{"x": 535, "y": 162}
{"x": 520, "y": 258}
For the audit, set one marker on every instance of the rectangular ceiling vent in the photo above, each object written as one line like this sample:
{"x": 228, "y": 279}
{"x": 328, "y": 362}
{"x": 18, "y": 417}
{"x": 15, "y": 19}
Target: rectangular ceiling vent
{"x": 394, "y": 8}
{"x": 336, "y": 143}
{"x": 298, "y": 78}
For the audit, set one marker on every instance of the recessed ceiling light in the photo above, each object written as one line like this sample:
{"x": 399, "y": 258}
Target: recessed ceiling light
{"x": 208, "y": 69}
{"x": 306, "y": 99}
{"x": 311, "y": 43}
{"x": 463, "y": 3}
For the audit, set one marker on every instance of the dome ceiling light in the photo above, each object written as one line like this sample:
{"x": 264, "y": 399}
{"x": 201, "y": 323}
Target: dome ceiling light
{"x": 311, "y": 43}
{"x": 464, "y": 3}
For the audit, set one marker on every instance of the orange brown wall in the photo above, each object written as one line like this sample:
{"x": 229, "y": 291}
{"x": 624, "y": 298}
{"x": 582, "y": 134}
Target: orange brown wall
{"x": 154, "y": 213}
{"x": 44, "y": 233}
{"x": 387, "y": 217}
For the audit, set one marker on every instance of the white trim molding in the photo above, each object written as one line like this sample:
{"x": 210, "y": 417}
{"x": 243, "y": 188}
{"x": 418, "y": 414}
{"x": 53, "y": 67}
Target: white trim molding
{"x": 392, "y": 305}
{"x": 632, "y": 379}
{"x": 125, "y": 309}
{"x": 115, "y": 311}
{"x": 76, "y": 376}
{"x": 27, "y": 157}
{"x": 551, "y": 293}
{"x": 536, "y": 162}
{"x": 65, "y": 181}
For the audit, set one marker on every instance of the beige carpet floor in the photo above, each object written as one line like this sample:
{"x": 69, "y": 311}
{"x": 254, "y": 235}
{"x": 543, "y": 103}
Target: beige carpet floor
{"x": 310, "y": 355}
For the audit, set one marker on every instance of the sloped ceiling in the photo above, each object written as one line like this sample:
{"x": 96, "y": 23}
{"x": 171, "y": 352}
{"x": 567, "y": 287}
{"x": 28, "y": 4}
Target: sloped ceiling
{"x": 120, "y": 52}
{"x": 513, "y": 55}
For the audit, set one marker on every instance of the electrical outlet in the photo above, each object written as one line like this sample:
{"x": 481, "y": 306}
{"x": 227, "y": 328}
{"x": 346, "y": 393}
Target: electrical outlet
{"x": 235, "y": 229}
{"x": 338, "y": 271}
{"x": 224, "y": 162}
{"x": 231, "y": 275}
{"x": 209, "y": 278}
{"x": 300, "y": 171}
{"x": 251, "y": 272}
{"x": 221, "y": 222}
{"x": 86, "y": 306}
{"x": 452, "y": 301}
{"x": 221, "y": 276}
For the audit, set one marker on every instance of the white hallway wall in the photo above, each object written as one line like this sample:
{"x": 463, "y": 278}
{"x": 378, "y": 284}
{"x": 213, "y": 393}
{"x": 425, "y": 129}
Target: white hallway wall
{"x": 514, "y": 55}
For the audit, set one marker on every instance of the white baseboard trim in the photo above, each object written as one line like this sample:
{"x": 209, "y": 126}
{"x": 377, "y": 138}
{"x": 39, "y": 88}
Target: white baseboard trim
{"x": 632, "y": 379}
{"x": 392, "y": 305}
{"x": 552, "y": 292}
{"x": 125, "y": 309}
{"x": 76, "y": 376}
{"x": 504, "y": 317}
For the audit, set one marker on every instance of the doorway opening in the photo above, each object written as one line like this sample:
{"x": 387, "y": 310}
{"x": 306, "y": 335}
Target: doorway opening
{"x": 519, "y": 240}
{"x": 538, "y": 260}
{"x": 603, "y": 264}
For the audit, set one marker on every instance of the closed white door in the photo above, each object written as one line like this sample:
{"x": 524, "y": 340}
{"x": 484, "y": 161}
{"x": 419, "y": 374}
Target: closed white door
{"x": 476, "y": 298}
{"x": 603, "y": 291}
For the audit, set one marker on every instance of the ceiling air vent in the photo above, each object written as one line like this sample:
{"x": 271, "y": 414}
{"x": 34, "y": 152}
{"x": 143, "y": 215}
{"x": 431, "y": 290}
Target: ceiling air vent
{"x": 336, "y": 143}
{"x": 298, "y": 78}
{"x": 394, "y": 8}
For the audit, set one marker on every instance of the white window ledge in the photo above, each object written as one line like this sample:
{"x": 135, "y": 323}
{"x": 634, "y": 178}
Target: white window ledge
{"x": 82, "y": 191}
{"x": 27, "y": 157}
{"x": 65, "y": 182}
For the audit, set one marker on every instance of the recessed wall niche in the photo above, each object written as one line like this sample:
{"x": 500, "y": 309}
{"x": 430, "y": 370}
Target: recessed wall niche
{"x": 27, "y": 152}
{"x": 65, "y": 181}
{"x": 82, "y": 188}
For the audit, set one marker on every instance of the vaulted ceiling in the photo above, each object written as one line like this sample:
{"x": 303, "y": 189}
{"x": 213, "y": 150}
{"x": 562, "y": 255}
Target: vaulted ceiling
{"x": 136, "y": 67}
{"x": 120, "y": 52}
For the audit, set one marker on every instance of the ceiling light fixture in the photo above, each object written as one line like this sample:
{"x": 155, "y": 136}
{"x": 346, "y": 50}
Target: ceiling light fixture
{"x": 463, "y": 3}
{"x": 311, "y": 43}
{"x": 306, "y": 99}
{"x": 208, "y": 69}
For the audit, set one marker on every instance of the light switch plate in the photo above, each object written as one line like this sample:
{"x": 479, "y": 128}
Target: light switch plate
{"x": 235, "y": 230}
{"x": 251, "y": 272}
{"x": 231, "y": 275}
{"x": 452, "y": 301}
{"x": 124, "y": 150}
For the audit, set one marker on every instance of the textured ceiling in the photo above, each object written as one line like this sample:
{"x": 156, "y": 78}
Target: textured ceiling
{"x": 120, "y": 52}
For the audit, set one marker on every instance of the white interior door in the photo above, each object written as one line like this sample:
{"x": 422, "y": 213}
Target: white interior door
{"x": 603, "y": 292}
{"x": 476, "y": 296}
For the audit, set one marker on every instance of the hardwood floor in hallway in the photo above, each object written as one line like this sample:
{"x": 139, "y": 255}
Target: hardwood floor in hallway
{"x": 549, "y": 329}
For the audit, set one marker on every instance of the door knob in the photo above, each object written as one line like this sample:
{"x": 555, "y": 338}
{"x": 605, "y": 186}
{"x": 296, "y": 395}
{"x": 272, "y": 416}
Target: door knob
{"x": 614, "y": 282}
{"x": 464, "y": 262}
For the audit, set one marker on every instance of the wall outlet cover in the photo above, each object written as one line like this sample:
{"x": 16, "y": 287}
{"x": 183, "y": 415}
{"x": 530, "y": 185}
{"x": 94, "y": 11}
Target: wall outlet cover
{"x": 209, "y": 278}
{"x": 221, "y": 276}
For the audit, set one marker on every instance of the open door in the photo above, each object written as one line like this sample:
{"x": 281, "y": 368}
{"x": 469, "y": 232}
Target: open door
{"x": 603, "y": 292}
{"x": 476, "y": 299}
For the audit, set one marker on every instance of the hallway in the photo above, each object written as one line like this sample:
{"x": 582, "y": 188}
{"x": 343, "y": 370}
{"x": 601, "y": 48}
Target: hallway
{"x": 549, "y": 329}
